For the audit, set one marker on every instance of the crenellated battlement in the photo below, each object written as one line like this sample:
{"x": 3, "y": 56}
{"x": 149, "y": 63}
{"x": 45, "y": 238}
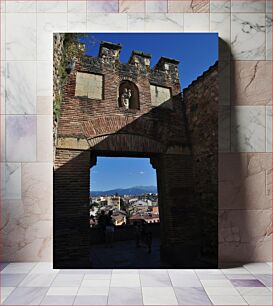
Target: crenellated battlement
{"x": 166, "y": 69}
{"x": 102, "y": 86}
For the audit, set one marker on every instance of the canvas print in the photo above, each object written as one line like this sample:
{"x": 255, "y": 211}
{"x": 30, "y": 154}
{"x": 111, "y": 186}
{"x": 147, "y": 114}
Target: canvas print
{"x": 135, "y": 150}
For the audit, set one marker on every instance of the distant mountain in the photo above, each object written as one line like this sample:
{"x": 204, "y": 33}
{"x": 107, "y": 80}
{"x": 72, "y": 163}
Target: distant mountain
{"x": 136, "y": 190}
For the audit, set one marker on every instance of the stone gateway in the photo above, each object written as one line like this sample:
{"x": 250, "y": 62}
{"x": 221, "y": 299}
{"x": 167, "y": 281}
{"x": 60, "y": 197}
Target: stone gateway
{"x": 129, "y": 109}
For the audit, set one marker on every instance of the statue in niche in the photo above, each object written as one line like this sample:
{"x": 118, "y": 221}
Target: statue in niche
{"x": 125, "y": 98}
{"x": 128, "y": 96}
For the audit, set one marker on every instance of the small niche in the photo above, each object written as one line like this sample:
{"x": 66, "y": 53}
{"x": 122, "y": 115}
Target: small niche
{"x": 128, "y": 95}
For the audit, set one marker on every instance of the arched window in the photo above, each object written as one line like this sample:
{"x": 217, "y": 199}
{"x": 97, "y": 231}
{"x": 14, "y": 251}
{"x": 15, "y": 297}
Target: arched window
{"x": 128, "y": 96}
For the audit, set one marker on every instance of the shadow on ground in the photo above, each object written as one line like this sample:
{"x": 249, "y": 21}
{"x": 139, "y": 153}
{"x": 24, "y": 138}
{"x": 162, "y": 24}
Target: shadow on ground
{"x": 125, "y": 254}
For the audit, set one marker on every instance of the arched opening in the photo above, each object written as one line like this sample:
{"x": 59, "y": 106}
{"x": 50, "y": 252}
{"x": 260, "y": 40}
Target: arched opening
{"x": 128, "y": 95}
{"x": 125, "y": 188}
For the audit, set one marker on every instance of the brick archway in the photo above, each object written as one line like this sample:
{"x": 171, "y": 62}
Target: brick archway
{"x": 126, "y": 143}
{"x": 107, "y": 125}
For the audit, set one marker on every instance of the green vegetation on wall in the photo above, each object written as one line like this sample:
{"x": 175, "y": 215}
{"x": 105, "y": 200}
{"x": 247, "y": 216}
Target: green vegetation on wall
{"x": 68, "y": 50}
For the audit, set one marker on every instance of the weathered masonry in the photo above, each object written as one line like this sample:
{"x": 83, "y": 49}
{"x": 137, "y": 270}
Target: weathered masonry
{"x": 116, "y": 109}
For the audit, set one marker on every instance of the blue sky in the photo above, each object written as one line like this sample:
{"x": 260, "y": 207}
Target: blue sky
{"x": 121, "y": 172}
{"x": 196, "y": 53}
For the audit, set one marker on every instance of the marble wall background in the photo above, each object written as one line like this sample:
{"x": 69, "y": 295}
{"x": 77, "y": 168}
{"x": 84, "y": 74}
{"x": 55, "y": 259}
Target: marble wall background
{"x": 245, "y": 115}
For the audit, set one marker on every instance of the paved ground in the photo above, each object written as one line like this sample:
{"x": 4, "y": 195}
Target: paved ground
{"x": 124, "y": 254}
{"x": 39, "y": 284}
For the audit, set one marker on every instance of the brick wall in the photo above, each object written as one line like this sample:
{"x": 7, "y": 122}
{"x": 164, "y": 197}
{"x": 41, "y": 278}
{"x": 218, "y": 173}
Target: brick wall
{"x": 71, "y": 209}
{"x": 201, "y": 101}
{"x": 179, "y": 212}
{"x": 77, "y": 112}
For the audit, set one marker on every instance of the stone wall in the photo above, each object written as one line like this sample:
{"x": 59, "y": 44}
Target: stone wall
{"x": 160, "y": 95}
{"x": 77, "y": 112}
{"x": 89, "y": 85}
{"x": 58, "y": 49}
{"x": 201, "y": 100}
{"x": 181, "y": 243}
{"x": 71, "y": 208}
{"x": 58, "y": 44}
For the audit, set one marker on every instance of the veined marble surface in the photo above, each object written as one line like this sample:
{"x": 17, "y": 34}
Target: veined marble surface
{"x": 21, "y": 138}
{"x": 106, "y": 22}
{"x": 47, "y": 24}
{"x": 220, "y": 6}
{"x": 220, "y": 23}
{"x": 44, "y": 105}
{"x": 52, "y": 6}
{"x": 44, "y": 78}
{"x": 20, "y": 87}
{"x": 3, "y": 88}
{"x": 136, "y": 22}
{"x": 188, "y": 6}
{"x": 248, "y": 6}
{"x": 21, "y": 6}
{"x": 245, "y": 204}
{"x": 76, "y": 22}
{"x": 3, "y": 6}
{"x": 21, "y": 36}
{"x": 248, "y": 129}
{"x": 44, "y": 138}
{"x": 268, "y": 128}
{"x": 243, "y": 181}
{"x": 3, "y": 36}
{"x": 269, "y": 6}
{"x": 128, "y": 6}
{"x": 77, "y": 6}
{"x": 103, "y": 6}
{"x": 268, "y": 23}
{"x": 159, "y": 22}
{"x": 248, "y": 36}
{"x": 237, "y": 233}
{"x": 251, "y": 83}
{"x": 245, "y": 113}
{"x": 3, "y": 138}
{"x": 156, "y": 6}
{"x": 196, "y": 22}
{"x": 12, "y": 176}
{"x": 37, "y": 283}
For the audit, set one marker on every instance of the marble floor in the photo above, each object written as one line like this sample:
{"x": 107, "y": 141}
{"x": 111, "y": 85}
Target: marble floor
{"x": 30, "y": 283}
